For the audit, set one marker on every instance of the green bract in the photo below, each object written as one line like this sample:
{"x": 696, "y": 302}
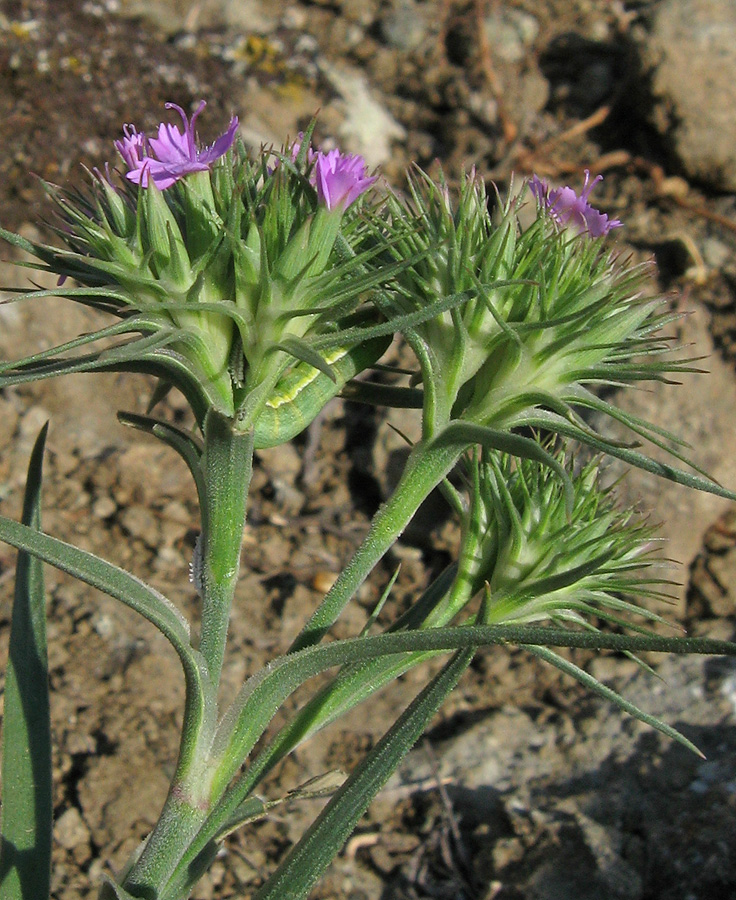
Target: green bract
{"x": 224, "y": 283}
{"x": 510, "y": 327}
{"x": 540, "y": 560}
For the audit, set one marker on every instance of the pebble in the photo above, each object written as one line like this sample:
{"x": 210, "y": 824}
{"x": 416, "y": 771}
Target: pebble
{"x": 104, "y": 507}
{"x": 172, "y": 16}
{"x": 510, "y": 33}
{"x": 403, "y": 25}
{"x": 282, "y": 463}
{"x": 367, "y": 127}
{"x": 70, "y": 830}
{"x": 140, "y": 522}
{"x": 716, "y": 253}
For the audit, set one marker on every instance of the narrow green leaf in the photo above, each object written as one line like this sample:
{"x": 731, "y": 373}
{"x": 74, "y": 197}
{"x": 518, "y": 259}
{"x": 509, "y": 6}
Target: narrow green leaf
{"x": 302, "y": 351}
{"x": 461, "y": 432}
{"x": 426, "y": 467}
{"x": 264, "y": 693}
{"x": 255, "y": 808}
{"x": 627, "y": 455}
{"x": 131, "y": 591}
{"x": 187, "y": 446}
{"x": 28, "y": 246}
{"x": 52, "y": 353}
{"x": 592, "y": 684}
{"x": 103, "y": 575}
{"x": 112, "y": 891}
{"x": 383, "y": 394}
{"x": 306, "y": 862}
{"x": 27, "y": 811}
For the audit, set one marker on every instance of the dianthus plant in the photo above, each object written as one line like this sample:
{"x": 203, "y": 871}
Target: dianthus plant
{"x": 261, "y": 288}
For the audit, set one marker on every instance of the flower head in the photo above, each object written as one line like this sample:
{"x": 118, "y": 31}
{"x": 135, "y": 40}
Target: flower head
{"x": 569, "y": 209}
{"x": 173, "y": 154}
{"x": 296, "y": 147}
{"x": 340, "y": 178}
{"x": 546, "y": 552}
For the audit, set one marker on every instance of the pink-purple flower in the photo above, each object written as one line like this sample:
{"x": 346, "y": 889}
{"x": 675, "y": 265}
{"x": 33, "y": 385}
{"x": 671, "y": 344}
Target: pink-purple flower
{"x": 340, "y": 178}
{"x": 173, "y": 154}
{"x": 569, "y": 209}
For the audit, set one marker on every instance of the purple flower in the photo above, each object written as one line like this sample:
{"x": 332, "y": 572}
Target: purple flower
{"x": 132, "y": 148}
{"x": 340, "y": 178}
{"x": 567, "y": 208}
{"x": 172, "y": 155}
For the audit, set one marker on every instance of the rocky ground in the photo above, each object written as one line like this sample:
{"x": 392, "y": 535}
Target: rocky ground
{"x": 525, "y": 789}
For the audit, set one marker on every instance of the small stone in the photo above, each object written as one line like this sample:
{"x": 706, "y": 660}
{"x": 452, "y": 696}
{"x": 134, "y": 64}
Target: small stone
{"x": 367, "y": 128}
{"x": 403, "y": 26}
{"x": 716, "y": 254}
{"x": 33, "y": 421}
{"x": 104, "y": 507}
{"x": 295, "y": 17}
{"x": 140, "y": 522}
{"x": 65, "y": 462}
{"x": 510, "y": 32}
{"x": 70, "y": 830}
{"x": 282, "y": 463}
{"x": 323, "y": 580}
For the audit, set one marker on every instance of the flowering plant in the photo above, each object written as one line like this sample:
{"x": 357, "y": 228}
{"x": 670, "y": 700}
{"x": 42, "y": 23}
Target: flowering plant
{"x": 261, "y": 289}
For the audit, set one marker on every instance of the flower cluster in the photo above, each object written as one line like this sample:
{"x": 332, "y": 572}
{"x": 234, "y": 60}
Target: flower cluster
{"x": 544, "y": 554}
{"x": 260, "y": 290}
{"x": 501, "y": 344}
{"x": 173, "y": 154}
{"x": 339, "y": 178}
{"x": 569, "y": 209}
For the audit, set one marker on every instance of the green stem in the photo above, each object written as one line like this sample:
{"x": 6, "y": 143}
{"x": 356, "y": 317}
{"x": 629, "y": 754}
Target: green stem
{"x": 307, "y": 860}
{"x": 358, "y": 681}
{"x": 178, "y": 824}
{"x": 439, "y": 604}
{"x": 289, "y": 672}
{"x": 227, "y": 463}
{"x": 427, "y": 465}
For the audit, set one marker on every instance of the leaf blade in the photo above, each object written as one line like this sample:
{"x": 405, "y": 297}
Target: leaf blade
{"x": 27, "y": 810}
{"x": 308, "y": 859}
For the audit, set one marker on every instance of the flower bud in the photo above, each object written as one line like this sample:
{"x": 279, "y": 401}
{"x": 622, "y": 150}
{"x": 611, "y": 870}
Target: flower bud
{"x": 543, "y": 560}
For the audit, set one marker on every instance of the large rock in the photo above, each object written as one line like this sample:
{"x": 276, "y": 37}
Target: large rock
{"x": 692, "y": 53}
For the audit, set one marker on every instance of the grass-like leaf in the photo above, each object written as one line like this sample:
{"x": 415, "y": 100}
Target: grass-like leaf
{"x": 134, "y": 593}
{"x": 265, "y": 692}
{"x": 595, "y": 686}
{"x": 306, "y": 862}
{"x": 27, "y": 812}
